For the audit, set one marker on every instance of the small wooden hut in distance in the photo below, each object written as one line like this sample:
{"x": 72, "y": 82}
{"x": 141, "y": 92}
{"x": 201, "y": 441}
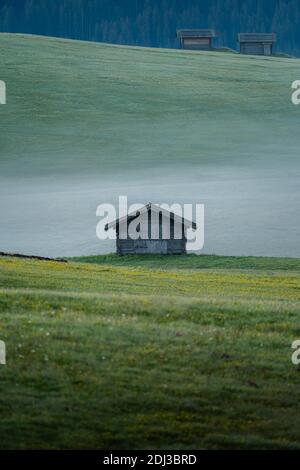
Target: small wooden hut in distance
{"x": 196, "y": 39}
{"x": 157, "y": 229}
{"x": 257, "y": 43}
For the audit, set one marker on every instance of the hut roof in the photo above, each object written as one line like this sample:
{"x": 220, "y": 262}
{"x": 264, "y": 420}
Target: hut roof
{"x": 257, "y": 37}
{"x": 155, "y": 208}
{"x": 196, "y": 33}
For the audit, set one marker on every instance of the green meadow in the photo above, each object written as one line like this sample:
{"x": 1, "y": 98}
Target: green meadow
{"x": 108, "y": 352}
{"x": 150, "y": 353}
{"x": 86, "y": 122}
{"x": 90, "y": 109}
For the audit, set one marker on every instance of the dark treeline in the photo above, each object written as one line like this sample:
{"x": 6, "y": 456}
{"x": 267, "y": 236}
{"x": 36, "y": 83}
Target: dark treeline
{"x": 153, "y": 22}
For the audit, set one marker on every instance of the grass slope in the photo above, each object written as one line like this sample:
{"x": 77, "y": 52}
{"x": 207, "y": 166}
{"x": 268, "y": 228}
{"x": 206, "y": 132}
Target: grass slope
{"x": 88, "y": 108}
{"x": 194, "y": 262}
{"x": 108, "y": 356}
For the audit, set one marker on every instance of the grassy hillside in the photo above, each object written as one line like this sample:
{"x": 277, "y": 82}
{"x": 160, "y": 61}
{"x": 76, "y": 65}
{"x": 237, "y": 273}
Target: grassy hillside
{"x": 79, "y": 107}
{"x": 107, "y": 356}
{"x": 195, "y": 262}
{"x": 86, "y": 122}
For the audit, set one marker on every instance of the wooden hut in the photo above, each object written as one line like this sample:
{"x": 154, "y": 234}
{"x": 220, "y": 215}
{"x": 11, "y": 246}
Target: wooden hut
{"x": 159, "y": 232}
{"x": 196, "y": 39}
{"x": 257, "y": 43}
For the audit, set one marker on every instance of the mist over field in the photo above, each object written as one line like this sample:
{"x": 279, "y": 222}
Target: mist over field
{"x": 135, "y": 349}
{"x": 85, "y": 123}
